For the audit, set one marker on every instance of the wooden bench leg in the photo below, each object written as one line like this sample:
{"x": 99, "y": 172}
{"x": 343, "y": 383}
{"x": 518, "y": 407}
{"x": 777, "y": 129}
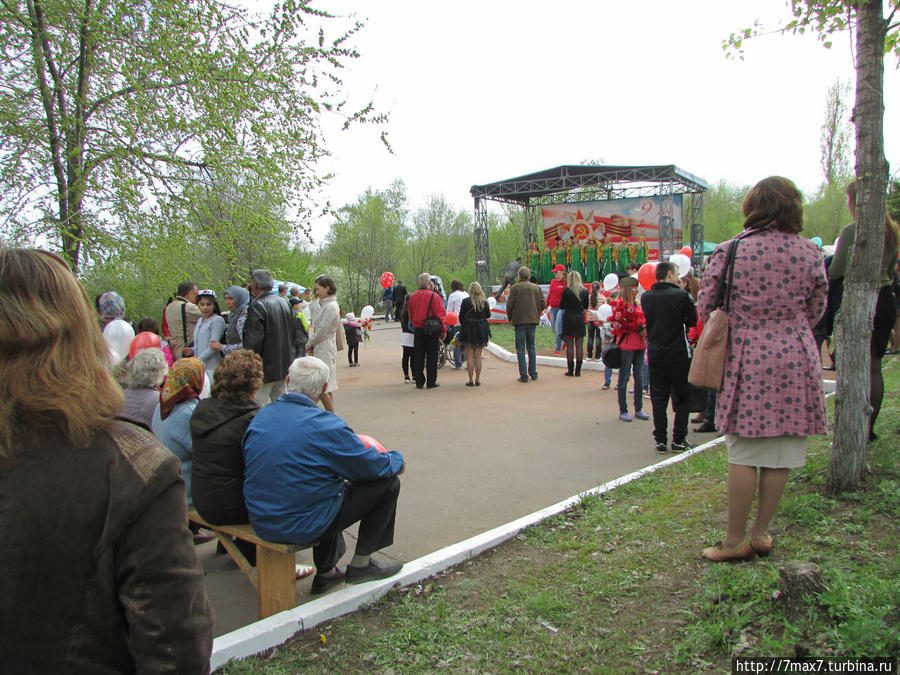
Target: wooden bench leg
{"x": 276, "y": 581}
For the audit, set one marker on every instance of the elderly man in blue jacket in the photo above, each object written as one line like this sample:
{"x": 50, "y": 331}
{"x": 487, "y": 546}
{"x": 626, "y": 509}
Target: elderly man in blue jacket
{"x": 308, "y": 476}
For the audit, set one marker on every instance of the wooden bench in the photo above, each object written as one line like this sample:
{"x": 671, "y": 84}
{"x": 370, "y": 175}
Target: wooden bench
{"x": 274, "y": 575}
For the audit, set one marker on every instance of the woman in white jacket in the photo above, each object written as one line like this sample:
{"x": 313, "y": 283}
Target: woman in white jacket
{"x": 325, "y": 322}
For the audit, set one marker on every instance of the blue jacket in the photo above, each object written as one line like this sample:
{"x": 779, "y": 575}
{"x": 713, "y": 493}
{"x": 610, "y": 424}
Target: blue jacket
{"x": 174, "y": 432}
{"x": 296, "y": 458}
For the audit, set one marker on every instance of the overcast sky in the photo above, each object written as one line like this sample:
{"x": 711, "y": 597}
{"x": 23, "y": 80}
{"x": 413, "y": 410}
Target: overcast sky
{"x": 482, "y": 91}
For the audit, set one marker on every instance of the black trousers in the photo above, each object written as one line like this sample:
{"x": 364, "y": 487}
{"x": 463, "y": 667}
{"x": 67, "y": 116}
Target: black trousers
{"x": 425, "y": 358}
{"x": 408, "y": 353}
{"x": 353, "y": 353}
{"x": 670, "y": 379}
{"x": 373, "y": 504}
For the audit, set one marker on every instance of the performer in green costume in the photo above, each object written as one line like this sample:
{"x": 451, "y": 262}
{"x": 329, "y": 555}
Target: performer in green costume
{"x": 590, "y": 272}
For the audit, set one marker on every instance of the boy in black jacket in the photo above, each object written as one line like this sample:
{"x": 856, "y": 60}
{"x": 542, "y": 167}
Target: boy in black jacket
{"x": 669, "y": 310}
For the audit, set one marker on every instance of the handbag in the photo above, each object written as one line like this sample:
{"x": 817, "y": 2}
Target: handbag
{"x": 612, "y": 357}
{"x": 433, "y": 326}
{"x": 708, "y": 365}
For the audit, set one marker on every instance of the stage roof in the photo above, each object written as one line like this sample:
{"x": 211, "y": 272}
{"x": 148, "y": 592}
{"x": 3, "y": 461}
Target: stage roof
{"x": 580, "y": 182}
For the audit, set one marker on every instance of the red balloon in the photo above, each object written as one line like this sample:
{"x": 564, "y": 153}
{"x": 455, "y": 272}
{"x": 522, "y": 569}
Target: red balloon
{"x": 687, "y": 250}
{"x": 647, "y": 275}
{"x": 370, "y": 442}
{"x": 143, "y": 341}
{"x": 452, "y": 318}
{"x": 387, "y": 280}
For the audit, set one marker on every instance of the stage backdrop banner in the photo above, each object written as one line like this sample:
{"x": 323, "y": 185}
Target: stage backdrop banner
{"x": 613, "y": 221}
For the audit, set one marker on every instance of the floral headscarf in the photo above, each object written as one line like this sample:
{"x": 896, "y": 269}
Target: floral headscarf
{"x": 184, "y": 382}
{"x": 111, "y": 306}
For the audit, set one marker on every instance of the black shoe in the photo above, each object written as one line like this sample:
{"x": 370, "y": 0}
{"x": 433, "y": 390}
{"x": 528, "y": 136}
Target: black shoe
{"x": 662, "y": 448}
{"x": 374, "y": 570}
{"x": 681, "y": 447}
{"x": 523, "y": 379}
{"x": 321, "y": 584}
{"x": 420, "y": 386}
{"x": 433, "y": 386}
{"x": 534, "y": 377}
{"x": 705, "y": 428}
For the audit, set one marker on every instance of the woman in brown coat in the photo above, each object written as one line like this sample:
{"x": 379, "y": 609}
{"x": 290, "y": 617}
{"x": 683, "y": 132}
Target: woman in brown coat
{"x": 100, "y": 574}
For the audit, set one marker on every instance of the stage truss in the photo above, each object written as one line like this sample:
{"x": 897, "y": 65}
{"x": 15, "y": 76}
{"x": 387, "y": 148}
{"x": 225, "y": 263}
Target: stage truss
{"x": 583, "y": 183}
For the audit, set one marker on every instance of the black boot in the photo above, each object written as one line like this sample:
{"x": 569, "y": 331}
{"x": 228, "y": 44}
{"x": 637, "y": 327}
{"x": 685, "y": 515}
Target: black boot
{"x": 578, "y": 368}
{"x": 571, "y": 367}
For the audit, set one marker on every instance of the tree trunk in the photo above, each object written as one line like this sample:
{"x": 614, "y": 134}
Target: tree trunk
{"x": 799, "y": 584}
{"x": 854, "y": 321}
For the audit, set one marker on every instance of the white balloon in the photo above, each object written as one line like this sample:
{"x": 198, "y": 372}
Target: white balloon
{"x": 492, "y": 301}
{"x": 118, "y": 335}
{"x": 610, "y": 281}
{"x": 114, "y": 357}
{"x": 604, "y": 312}
{"x": 682, "y": 261}
{"x": 367, "y": 312}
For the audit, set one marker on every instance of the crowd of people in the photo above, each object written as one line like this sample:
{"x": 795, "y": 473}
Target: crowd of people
{"x": 223, "y": 416}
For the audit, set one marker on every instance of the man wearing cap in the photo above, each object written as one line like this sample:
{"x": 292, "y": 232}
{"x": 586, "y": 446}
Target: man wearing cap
{"x": 182, "y": 315}
{"x": 269, "y": 330}
{"x": 301, "y": 323}
{"x": 523, "y": 309}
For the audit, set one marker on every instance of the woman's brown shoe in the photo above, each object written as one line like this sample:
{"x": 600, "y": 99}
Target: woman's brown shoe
{"x": 722, "y": 553}
{"x": 762, "y": 544}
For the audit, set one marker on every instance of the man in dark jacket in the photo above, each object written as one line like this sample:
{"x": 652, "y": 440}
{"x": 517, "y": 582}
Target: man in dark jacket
{"x": 523, "y": 309}
{"x": 669, "y": 310}
{"x": 399, "y": 298}
{"x": 269, "y": 330}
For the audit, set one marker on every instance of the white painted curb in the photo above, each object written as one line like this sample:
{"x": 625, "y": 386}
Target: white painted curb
{"x": 556, "y": 361}
{"x": 277, "y": 629}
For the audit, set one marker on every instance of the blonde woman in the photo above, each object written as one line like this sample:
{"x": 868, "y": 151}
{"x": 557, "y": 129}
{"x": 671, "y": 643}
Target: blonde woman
{"x": 474, "y": 330}
{"x": 324, "y": 325}
{"x": 572, "y": 304}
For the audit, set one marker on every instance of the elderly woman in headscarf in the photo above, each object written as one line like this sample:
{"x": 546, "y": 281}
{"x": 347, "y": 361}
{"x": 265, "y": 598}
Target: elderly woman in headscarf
{"x": 236, "y": 300}
{"x": 110, "y": 306}
{"x": 146, "y": 371}
{"x": 171, "y": 422}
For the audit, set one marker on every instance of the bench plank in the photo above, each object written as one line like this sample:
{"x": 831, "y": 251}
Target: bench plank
{"x": 274, "y": 576}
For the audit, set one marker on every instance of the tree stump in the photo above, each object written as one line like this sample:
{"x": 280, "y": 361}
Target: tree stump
{"x": 799, "y": 583}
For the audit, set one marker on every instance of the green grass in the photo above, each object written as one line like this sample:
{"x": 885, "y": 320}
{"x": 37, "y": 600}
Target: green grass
{"x": 504, "y": 335}
{"x": 616, "y": 584}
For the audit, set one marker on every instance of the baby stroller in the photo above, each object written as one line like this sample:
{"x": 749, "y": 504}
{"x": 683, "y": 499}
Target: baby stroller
{"x": 446, "y": 346}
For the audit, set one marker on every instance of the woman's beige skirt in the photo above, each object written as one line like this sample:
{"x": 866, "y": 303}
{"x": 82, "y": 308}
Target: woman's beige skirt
{"x": 780, "y": 452}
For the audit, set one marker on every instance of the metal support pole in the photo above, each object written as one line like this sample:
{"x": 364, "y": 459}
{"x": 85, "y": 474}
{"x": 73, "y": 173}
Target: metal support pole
{"x": 482, "y": 248}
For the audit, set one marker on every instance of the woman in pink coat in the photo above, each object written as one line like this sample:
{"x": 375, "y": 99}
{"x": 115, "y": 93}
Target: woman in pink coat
{"x": 772, "y": 396}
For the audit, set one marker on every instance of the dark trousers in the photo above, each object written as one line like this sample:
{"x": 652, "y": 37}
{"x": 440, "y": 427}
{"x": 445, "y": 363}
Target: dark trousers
{"x": 373, "y": 504}
{"x": 425, "y": 358}
{"x": 404, "y": 362}
{"x": 670, "y": 379}
{"x": 594, "y": 338}
{"x": 353, "y": 353}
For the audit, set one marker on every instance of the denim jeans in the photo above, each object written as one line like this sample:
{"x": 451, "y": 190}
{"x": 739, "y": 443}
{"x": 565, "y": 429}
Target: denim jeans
{"x": 457, "y": 355}
{"x": 556, "y": 324}
{"x": 631, "y": 361}
{"x": 525, "y": 342}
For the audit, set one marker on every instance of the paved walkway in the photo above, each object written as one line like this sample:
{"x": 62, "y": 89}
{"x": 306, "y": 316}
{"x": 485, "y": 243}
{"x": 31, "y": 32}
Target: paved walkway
{"x": 477, "y": 457}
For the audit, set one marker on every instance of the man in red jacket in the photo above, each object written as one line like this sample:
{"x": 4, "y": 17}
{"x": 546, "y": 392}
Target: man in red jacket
{"x": 425, "y": 303}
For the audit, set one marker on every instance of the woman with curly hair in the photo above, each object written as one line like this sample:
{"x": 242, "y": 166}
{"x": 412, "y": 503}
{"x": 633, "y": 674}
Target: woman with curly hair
{"x": 120, "y": 588}
{"x": 217, "y": 428}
